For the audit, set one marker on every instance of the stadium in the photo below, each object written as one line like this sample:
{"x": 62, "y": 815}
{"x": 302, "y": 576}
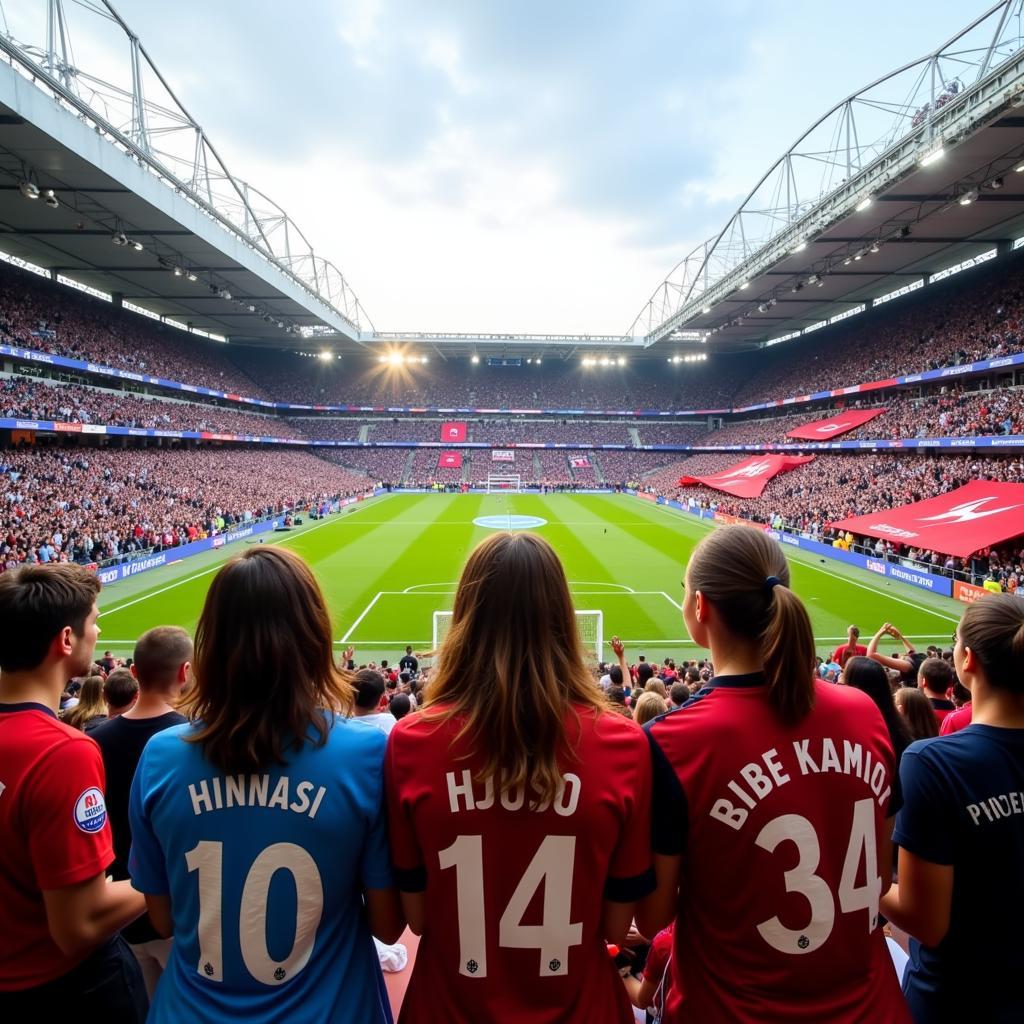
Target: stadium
{"x": 838, "y": 368}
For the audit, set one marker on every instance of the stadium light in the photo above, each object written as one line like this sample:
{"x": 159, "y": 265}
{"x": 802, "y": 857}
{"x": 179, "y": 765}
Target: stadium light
{"x": 529, "y": 359}
{"x": 937, "y": 153}
{"x": 763, "y": 308}
{"x": 1019, "y": 168}
{"x": 706, "y": 310}
{"x": 847, "y": 261}
{"x": 968, "y": 197}
{"x": 50, "y": 197}
{"x": 119, "y": 238}
{"x": 996, "y": 184}
{"x": 29, "y": 189}
{"x": 622, "y": 362}
{"x": 874, "y": 247}
{"x": 423, "y": 359}
{"x": 178, "y": 271}
{"x": 474, "y": 359}
{"x": 382, "y": 359}
{"x": 137, "y": 246}
{"x": 537, "y": 361}
{"x": 800, "y": 246}
{"x": 326, "y": 356}
{"x": 395, "y": 359}
{"x": 744, "y": 285}
{"x": 864, "y": 203}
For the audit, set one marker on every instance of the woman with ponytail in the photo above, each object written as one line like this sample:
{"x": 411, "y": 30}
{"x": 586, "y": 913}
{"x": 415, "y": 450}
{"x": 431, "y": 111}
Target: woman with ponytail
{"x": 519, "y": 807}
{"x": 961, "y": 836}
{"x": 774, "y": 794}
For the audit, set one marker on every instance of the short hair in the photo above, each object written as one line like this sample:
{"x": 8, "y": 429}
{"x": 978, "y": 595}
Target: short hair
{"x": 936, "y": 674}
{"x": 36, "y": 603}
{"x": 855, "y": 630}
{"x": 648, "y": 705}
{"x": 369, "y": 689}
{"x": 615, "y": 675}
{"x": 120, "y": 688}
{"x": 400, "y": 705}
{"x": 644, "y": 672}
{"x": 159, "y": 653}
{"x": 680, "y": 694}
{"x": 617, "y": 695}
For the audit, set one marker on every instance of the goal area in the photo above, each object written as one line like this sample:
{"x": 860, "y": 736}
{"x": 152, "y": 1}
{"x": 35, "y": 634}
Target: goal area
{"x": 590, "y": 624}
{"x": 510, "y": 482}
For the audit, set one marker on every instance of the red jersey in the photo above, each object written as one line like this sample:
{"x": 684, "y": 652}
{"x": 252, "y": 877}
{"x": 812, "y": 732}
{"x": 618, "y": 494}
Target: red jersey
{"x": 954, "y": 721}
{"x": 778, "y": 828}
{"x": 513, "y": 891}
{"x": 843, "y": 652}
{"x": 53, "y": 820}
{"x": 942, "y": 709}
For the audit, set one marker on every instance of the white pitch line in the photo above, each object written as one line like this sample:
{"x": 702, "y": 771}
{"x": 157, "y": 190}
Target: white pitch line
{"x": 674, "y": 603}
{"x": 214, "y": 568}
{"x": 366, "y": 611}
{"x": 835, "y": 575}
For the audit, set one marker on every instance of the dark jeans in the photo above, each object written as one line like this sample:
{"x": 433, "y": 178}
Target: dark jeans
{"x": 105, "y": 988}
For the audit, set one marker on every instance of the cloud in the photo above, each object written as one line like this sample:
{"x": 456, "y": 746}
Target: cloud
{"x": 533, "y": 166}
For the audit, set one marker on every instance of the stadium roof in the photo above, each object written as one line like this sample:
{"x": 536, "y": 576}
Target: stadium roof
{"x": 116, "y": 187}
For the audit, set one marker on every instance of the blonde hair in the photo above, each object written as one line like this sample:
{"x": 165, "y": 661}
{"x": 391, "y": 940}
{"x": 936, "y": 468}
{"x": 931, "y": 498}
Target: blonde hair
{"x": 647, "y": 706}
{"x": 656, "y": 685}
{"x": 511, "y": 665}
{"x": 90, "y": 703}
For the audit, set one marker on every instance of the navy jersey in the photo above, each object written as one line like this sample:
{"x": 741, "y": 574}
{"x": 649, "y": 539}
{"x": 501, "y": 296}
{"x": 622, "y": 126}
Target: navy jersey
{"x": 964, "y": 807}
{"x": 265, "y": 874}
{"x": 779, "y": 830}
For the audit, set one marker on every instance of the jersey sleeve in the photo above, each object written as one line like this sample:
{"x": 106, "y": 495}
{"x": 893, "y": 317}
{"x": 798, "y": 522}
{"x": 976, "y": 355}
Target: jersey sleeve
{"x": 406, "y": 855}
{"x": 146, "y": 863}
{"x": 924, "y": 825}
{"x": 376, "y": 860}
{"x": 669, "y": 814}
{"x": 630, "y": 872}
{"x": 68, "y": 832}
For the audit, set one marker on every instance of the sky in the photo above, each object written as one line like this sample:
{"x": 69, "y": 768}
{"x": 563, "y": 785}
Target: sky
{"x": 475, "y": 165}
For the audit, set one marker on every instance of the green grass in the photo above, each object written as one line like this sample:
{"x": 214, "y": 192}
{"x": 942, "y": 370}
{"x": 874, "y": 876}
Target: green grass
{"x": 386, "y": 565}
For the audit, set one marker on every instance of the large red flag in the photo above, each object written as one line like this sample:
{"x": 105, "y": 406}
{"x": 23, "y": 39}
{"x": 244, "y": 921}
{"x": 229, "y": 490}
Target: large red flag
{"x": 834, "y": 426}
{"x": 747, "y": 479}
{"x": 450, "y": 460}
{"x": 959, "y": 522}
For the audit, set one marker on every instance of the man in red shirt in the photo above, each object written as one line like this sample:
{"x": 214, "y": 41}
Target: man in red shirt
{"x": 60, "y": 953}
{"x": 851, "y": 649}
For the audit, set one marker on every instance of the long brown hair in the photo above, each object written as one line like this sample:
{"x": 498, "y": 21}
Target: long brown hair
{"x": 745, "y": 575}
{"x": 511, "y": 664}
{"x": 993, "y": 628}
{"x": 264, "y": 666}
{"x": 917, "y": 712}
{"x": 90, "y": 703}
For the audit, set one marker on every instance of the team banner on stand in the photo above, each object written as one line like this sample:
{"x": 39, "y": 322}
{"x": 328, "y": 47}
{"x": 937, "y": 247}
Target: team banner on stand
{"x": 503, "y": 455}
{"x": 580, "y": 462}
{"x": 747, "y": 479}
{"x": 453, "y": 432}
{"x": 960, "y": 522}
{"x": 450, "y": 460}
{"x": 834, "y": 426}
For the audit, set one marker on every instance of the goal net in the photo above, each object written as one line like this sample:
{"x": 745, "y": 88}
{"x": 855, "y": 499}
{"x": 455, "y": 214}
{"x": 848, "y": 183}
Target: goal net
{"x": 590, "y": 624}
{"x": 504, "y": 482}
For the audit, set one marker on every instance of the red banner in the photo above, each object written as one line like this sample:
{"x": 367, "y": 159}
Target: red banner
{"x": 449, "y": 460}
{"x": 835, "y": 426}
{"x": 453, "y": 432}
{"x": 747, "y": 479}
{"x": 967, "y": 592}
{"x": 976, "y": 516}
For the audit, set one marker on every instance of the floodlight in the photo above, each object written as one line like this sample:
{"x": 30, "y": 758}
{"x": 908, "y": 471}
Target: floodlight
{"x": 137, "y": 246}
{"x": 192, "y": 277}
{"x": 763, "y": 308}
{"x": 937, "y": 153}
{"x": 800, "y": 246}
{"x": 119, "y": 238}
{"x": 325, "y": 355}
{"x": 537, "y": 361}
{"x": 178, "y": 271}
{"x": 874, "y": 247}
{"x": 395, "y": 358}
{"x": 968, "y": 197}
{"x": 706, "y": 309}
{"x": 745, "y": 284}
{"x": 996, "y": 184}
{"x": 29, "y": 189}
{"x": 1019, "y": 168}
{"x": 864, "y": 203}
{"x": 51, "y": 199}
{"x": 474, "y": 359}
{"x": 622, "y": 362}
{"x": 529, "y": 360}
{"x": 424, "y": 359}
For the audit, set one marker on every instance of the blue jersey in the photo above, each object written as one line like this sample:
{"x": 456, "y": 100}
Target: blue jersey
{"x": 265, "y": 875}
{"x": 964, "y": 806}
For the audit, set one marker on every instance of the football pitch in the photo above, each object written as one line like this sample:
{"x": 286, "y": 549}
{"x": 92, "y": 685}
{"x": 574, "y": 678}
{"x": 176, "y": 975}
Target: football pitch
{"x": 387, "y": 564}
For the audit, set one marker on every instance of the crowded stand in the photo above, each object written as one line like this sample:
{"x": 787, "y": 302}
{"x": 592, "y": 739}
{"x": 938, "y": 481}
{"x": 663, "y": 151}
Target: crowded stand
{"x": 93, "y": 504}
{"x": 382, "y": 465}
{"x": 425, "y": 468}
{"x": 970, "y": 318}
{"x": 40, "y": 314}
{"x": 25, "y": 398}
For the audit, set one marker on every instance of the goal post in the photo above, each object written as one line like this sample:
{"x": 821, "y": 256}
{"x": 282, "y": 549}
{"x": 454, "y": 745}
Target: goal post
{"x": 509, "y": 482}
{"x": 589, "y": 622}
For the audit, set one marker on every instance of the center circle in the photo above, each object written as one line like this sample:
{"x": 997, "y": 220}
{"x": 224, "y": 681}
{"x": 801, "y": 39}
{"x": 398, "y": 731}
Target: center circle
{"x": 509, "y": 522}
